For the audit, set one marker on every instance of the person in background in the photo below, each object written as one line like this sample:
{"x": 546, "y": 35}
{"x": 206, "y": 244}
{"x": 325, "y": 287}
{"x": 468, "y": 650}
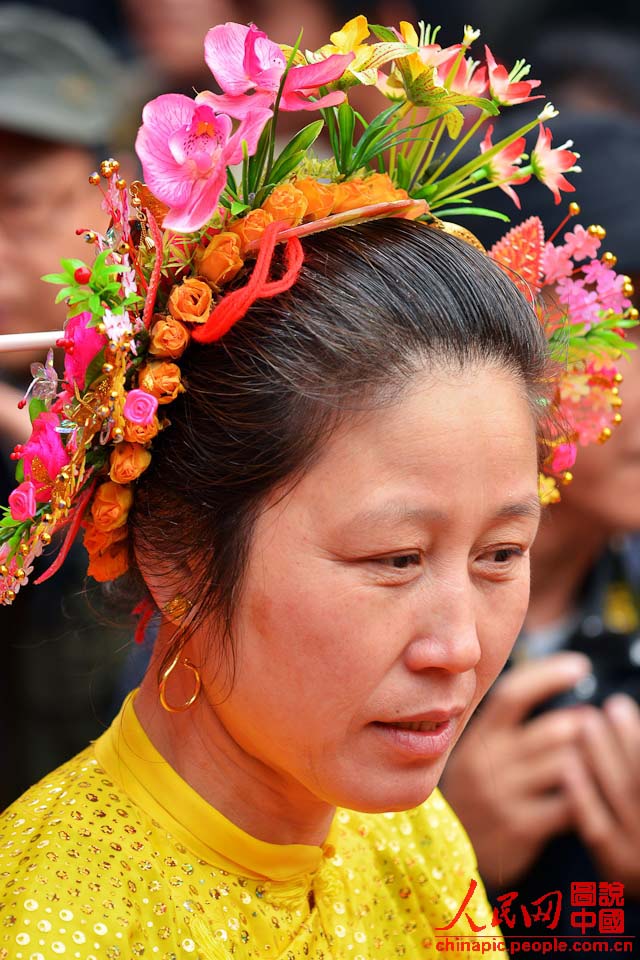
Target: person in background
{"x": 61, "y": 88}
{"x": 547, "y": 779}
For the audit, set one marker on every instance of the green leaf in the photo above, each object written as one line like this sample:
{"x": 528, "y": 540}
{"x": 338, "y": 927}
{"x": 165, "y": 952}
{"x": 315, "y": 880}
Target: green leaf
{"x": 71, "y": 264}
{"x": 403, "y": 172}
{"x": 94, "y": 370}
{"x": 237, "y": 208}
{"x": 19, "y": 471}
{"x": 36, "y": 406}
{"x": 383, "y": 33}
{"x": 296, "y": 147}
{"x": 55, "y": 278}
{"x": 232, "y": 186}
{"x": 346, "y": 127}
{"x": 473, "y": 212}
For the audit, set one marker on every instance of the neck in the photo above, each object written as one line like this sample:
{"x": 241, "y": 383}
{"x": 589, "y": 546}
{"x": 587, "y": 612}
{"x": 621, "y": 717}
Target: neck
{"x": 566, "y": 548}
{"x": 261, "y": 801}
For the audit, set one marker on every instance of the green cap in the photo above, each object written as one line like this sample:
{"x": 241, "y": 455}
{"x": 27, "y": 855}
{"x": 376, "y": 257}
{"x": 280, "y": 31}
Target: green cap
{"x": 58, "y": 79}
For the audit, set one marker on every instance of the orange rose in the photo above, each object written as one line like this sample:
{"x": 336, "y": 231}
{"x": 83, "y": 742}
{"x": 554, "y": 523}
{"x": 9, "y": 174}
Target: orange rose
{"x": 360, "y": 192}
{"x": 251, "y": 227}
{"x": 286, "y": 204}
{"x": 320, "y": 197}
{"x": 141, "y": 432}
{"x": 111, "y": 506}
{"x": 190, "y": 301}
{"x": 97, "y": 541}
{"x": 128, "y": 461}
{"x": 161, "y": 379}
{"x": 112, "y": 563}
{"x": 221, "y": 259}
{"x": 169, "y": 337}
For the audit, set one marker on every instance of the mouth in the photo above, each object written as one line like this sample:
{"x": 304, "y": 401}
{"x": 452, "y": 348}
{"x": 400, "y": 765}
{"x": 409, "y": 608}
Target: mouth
{"x": 423, "y": 726}
{"x": 428, "y": 737}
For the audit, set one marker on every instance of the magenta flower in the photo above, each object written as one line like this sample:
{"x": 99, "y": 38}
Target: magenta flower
{"x": 22, "y": 501}
{"x": 503, "y": 168}
{"x": 140, "y": 407}
{"x": 549, "y": 164}
{"x": 185, "y": 148}
{"x": 44, "y": 454}
{"x": 84, "y": 344}
{"x": 564, "y": 457}
{"x": 243, "y": 60}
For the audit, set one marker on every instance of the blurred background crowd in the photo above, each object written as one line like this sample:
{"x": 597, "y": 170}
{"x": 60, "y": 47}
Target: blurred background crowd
{"x": 73, "y": 79}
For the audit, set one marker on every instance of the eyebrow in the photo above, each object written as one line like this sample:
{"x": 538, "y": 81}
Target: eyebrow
{"x": 399, "y": 513}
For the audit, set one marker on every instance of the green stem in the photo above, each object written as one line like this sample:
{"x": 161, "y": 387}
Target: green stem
{"x": 475, "y": 164}
{"x": 470, "y": 133}
{"x": 454, "y": 195}
{"x": 402, "y": 112}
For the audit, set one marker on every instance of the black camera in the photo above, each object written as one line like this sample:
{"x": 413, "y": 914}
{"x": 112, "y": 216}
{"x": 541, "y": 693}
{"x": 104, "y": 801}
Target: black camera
{"x": 615, "y": 659}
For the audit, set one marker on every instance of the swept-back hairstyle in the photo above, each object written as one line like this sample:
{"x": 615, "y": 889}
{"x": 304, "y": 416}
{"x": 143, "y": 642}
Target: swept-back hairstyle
{"x": 374, "y": 304}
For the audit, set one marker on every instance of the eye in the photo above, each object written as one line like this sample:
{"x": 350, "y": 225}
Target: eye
{"x": 400, "y": 562}
{"x": 505, "y": 554}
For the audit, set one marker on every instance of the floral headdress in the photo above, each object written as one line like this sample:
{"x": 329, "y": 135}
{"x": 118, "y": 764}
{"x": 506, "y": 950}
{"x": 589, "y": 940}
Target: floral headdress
{"x": 585, "y": 308}
{"x": 188, "y": 252}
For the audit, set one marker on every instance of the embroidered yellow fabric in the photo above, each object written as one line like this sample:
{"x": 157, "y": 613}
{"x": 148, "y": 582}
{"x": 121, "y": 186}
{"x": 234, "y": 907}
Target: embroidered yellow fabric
{"x": 115, "y": 856}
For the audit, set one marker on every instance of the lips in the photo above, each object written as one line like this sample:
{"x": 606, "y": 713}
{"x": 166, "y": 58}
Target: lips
{"x": 421, "y": 736}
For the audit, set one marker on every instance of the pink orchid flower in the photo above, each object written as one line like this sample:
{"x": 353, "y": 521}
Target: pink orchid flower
{"x": 505, "y": 92}
{"x": 243, "y": 60}
{"x": 185, "y": 148}
{"x": 44, "y": 454}
{"x": 503, "y": 169}
{"x": 549, "y": 164}
{"x": 84, "y": 343}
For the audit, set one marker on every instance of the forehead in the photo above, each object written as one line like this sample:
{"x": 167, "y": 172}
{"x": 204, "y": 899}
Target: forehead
{"x": 453, "y": 443}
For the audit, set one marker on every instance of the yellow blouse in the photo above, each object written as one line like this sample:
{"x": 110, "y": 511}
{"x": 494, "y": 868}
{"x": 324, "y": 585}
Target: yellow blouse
{"x": 115, "y": 856}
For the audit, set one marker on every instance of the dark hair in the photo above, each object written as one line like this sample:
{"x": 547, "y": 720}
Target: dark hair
{"x": 374, "y": 304}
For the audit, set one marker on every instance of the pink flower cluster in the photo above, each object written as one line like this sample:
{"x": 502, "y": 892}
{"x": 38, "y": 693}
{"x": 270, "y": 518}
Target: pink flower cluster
{"x": 588, "y": 290}
{"x": 185, "y": 145}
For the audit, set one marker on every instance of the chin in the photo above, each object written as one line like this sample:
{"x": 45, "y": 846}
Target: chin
{"x": 396, "y": 792}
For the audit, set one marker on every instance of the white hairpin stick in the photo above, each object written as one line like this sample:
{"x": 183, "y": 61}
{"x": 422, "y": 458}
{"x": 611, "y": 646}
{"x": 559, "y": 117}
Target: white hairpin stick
{"x": 11, "y": 342}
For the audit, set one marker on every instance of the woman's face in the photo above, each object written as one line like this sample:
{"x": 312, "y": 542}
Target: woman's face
{"x": 385, "y": 590}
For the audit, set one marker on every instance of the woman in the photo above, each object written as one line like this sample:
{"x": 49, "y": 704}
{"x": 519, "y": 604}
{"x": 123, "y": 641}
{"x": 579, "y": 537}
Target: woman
{"x": 333, "y": 523}
{"x": 368, "y": 464}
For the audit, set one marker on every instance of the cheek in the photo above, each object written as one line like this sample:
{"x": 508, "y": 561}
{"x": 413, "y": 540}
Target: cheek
{"x": 502, "y": 622}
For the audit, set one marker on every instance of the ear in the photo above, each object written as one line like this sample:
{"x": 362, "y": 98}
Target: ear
{"x": 168, "y": 583}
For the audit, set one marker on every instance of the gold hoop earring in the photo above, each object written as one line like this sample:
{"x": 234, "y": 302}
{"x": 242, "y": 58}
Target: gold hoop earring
{"x": 162, "y": 689}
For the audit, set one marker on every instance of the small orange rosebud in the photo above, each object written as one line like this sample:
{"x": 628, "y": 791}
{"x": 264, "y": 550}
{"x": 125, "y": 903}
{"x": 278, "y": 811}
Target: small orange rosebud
{"x": 251, "y": 227}
{"x": 190, "y": 301}
{"x": 110, "y": 564}
{"x": 97, "y": 541}
{"x": 128, "y": 461}
{"x": 111, "y": 505}
{"x": 320, "y": 197}
{"x": 169, "y": 337}
{"x": 286, "y": 204}
{"x": 161, "y": 379}
{"x": 141, "y": 432}
{"x": 220, "y": 261}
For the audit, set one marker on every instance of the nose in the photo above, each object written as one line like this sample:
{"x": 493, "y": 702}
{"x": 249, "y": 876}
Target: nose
{"x": 446, "y": 631}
